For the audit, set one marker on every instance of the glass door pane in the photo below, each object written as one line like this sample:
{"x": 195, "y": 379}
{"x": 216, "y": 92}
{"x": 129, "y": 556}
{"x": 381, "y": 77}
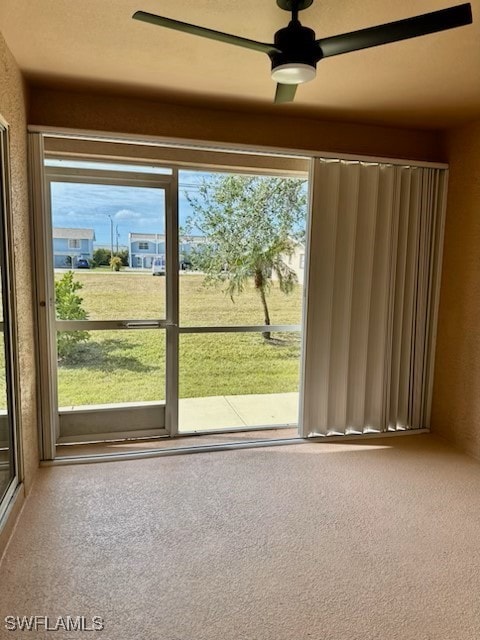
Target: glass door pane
{"x": 231, "y": 226}
{"x": 93, "y": 222}
{"x": 242, "y": 261}
{"x": 238, "y": 380}
{"x": 112, "y": 367}
{"x": 109, "y": 270}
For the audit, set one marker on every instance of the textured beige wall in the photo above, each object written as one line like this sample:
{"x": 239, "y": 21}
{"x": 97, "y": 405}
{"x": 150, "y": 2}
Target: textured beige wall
{"x": 456, "y": 395}
{"x": 13, "y": 110}
{"x": 130, "y": 115}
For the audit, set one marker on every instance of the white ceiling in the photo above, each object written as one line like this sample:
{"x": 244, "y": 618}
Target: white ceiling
{"x": 432, "y": 81}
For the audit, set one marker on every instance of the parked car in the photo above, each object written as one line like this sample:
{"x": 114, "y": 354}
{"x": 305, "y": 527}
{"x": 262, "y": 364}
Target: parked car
{"x": 185, "y": 265}
{"x": 82, "y": 263}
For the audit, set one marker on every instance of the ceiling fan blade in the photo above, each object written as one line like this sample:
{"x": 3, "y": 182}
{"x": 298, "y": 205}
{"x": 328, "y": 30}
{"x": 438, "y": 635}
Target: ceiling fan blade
{"x": 205, "y": 33}
{"x": 285, "y": 93}
{"x": 394, "y": 31}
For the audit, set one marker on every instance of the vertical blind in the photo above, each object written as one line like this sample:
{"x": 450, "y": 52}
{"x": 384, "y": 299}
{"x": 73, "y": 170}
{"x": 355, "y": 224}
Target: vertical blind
{"x": 375, "y": 248}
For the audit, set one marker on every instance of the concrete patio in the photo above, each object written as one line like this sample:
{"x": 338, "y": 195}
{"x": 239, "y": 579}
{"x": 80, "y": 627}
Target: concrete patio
{"x": 220, "y": 412}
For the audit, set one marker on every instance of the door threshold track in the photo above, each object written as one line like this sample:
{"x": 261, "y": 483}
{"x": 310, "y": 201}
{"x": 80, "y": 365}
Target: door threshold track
{"x": 250, "y": 444}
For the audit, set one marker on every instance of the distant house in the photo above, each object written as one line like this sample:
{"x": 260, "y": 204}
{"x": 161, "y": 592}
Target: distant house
{"x": 71, "y": 244}
{"x": 144, "y": 247}
{"x": 186, "y": 244}
{"x": 296, "y": 262}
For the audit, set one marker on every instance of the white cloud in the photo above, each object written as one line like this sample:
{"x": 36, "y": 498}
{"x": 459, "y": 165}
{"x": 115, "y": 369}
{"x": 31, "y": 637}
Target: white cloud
{"x": 127, "y": 214}
{"x": 73, "y": 216}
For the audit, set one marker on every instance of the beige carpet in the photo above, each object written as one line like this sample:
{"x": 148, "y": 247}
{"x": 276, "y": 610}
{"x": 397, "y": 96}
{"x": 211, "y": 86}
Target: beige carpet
{"x": 369, "y": 541}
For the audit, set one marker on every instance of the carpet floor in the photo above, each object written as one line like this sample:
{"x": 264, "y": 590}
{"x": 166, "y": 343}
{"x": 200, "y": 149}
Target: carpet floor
{"x": 353, "y": 541}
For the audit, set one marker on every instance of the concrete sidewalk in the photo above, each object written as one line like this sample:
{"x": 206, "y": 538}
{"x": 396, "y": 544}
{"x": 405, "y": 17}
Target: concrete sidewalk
{"x": 221, "y": 412}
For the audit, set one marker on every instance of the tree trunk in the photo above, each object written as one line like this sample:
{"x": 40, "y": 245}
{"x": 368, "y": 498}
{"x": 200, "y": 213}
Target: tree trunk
{"x": 260, "y": 286}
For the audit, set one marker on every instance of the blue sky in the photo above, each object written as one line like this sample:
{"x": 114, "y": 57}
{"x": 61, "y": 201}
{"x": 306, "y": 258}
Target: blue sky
{"x": 132, "y": 209}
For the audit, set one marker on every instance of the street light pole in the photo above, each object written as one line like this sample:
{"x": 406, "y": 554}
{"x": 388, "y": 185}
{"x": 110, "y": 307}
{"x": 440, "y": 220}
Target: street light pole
{"x": 111, "y": 234}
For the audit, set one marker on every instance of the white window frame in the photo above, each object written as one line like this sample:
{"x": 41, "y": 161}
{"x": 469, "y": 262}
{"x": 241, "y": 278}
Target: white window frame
{"x": 143, "y": 246}
{"x": 74, "y": 243}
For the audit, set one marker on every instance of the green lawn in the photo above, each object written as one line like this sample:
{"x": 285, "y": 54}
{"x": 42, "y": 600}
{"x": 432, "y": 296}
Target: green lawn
{"x": 129, "y": 366}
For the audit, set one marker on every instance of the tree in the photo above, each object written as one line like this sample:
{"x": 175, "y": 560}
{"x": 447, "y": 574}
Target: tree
{"x": 116, "y": 263}
{"x": 250, "y": 224}
{"x": 69, "y": 307}
{"x": 123, "y": 255}
{"x": 101, "y": 257}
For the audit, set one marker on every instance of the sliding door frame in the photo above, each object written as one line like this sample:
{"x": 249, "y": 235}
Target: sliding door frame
{"x": 48, "y": 324}
{"x": 9, "y": 328}
{"x": 166, "y": 183}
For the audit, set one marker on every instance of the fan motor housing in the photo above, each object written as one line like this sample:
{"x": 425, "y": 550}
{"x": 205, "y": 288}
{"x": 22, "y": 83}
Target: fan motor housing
{"x": 296, "y": 44}
{"x": 290, "y": 5}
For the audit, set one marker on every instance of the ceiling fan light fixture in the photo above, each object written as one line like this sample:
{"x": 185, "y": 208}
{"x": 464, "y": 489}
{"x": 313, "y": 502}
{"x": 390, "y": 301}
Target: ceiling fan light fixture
{"x": 293, "y": 73}
{"x": 295, "y": 50}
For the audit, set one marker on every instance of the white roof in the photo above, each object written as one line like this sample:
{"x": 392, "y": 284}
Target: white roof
{"x": 73, "y": 234}
{"x": 160, "y": 237}
{"x": 154, "y": 237}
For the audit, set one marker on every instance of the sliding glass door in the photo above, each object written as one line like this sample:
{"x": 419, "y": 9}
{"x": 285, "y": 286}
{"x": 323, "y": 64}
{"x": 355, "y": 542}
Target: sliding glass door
{"x": 173, "y": 299}
{"x": 171, "y": 291}
{"x": 109, "y": 277}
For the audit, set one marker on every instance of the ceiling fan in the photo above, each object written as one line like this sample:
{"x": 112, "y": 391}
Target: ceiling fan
{"x": 296, "y": 51}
